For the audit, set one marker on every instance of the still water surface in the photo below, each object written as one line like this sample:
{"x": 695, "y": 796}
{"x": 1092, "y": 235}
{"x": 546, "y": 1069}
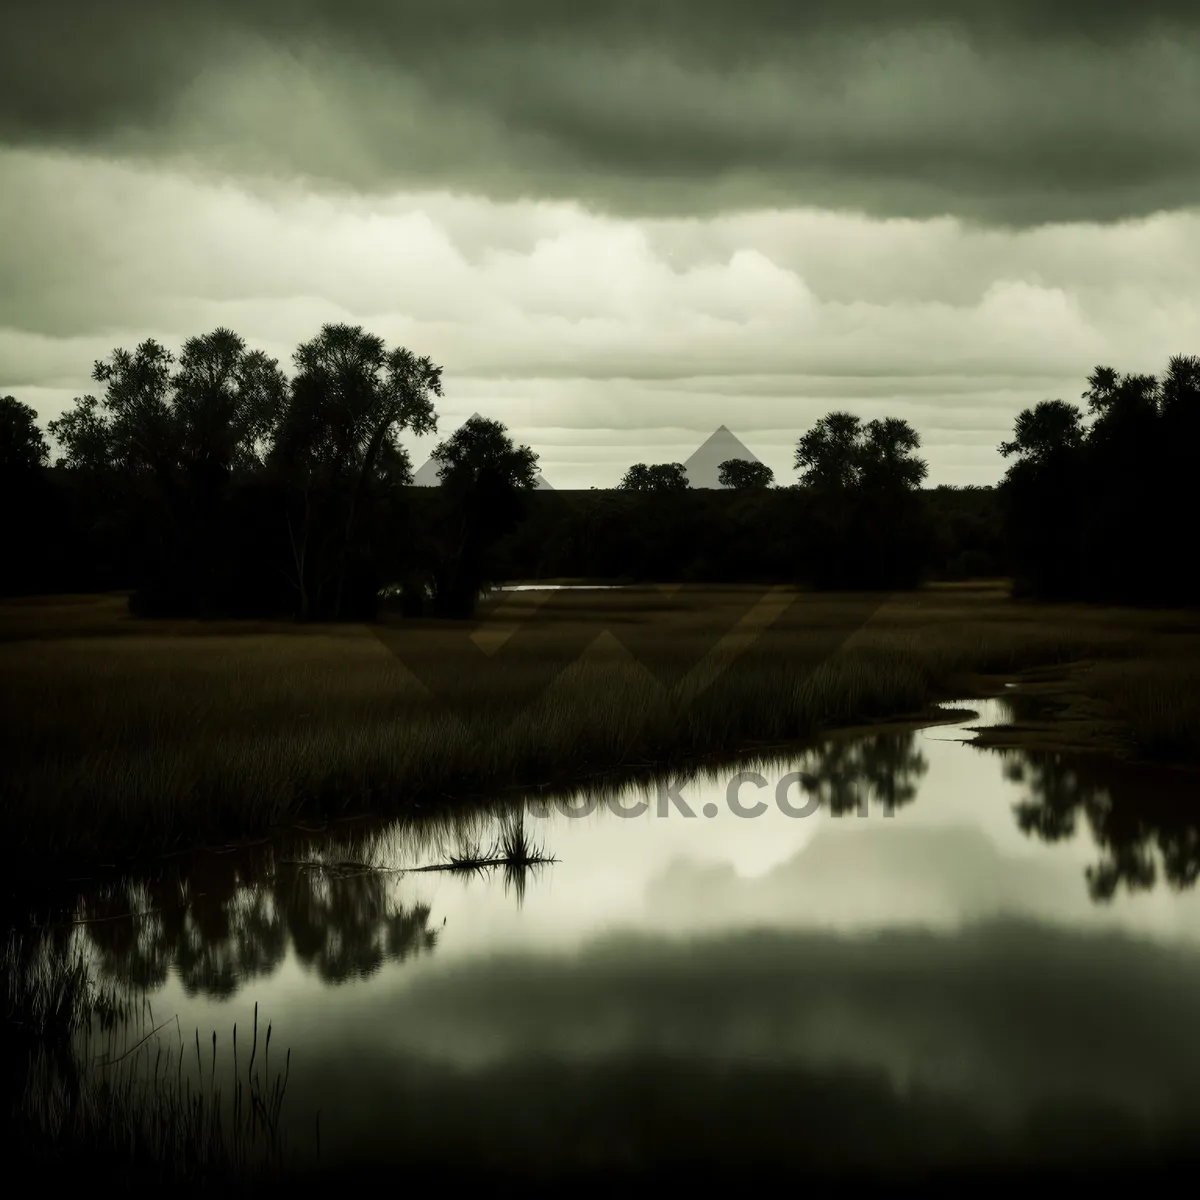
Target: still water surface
{"x": 957, "y": 953}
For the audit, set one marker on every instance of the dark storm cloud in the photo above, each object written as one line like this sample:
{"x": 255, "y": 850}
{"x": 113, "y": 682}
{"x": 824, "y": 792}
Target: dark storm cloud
{"x": 1013, "y": 113}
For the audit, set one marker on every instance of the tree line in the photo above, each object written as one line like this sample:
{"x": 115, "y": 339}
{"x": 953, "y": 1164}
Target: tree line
{"x": 211, "y": 484}
{"x": 1099, "y": 501}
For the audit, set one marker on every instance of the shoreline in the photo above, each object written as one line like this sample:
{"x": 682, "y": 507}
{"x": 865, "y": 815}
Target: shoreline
{"x": 1045, "y": 735}
{"x": 136, "y": 750}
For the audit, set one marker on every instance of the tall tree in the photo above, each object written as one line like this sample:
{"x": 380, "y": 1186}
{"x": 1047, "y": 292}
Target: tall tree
{"x": 1041, "y": 493}
{"x": 338, "y": 441}
{"x": 1045, "y": 433}
{"x": 868, "y": 527}
{"x": 484, "y": 478}
{"x": 895, "y": 525}
{"x": 212, "y": 416}
{"x": 23, "y": 449}
{"x": 166, "y": 444}
{"x": 23, "y": 495}
{"x": 888, "y": 461}
{"x": 130, "y": 429}
{"x": 1180, "y": 466}
{"x": 829, "y": 454}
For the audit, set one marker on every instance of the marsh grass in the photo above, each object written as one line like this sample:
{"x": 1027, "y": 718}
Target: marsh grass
{"x": 134, "y": 738}
{"x": 49, "y": 993}
{"x": 144, "y": 1118}
{"x": 1158, "y": 702}
{"x": 127, "y": 1115}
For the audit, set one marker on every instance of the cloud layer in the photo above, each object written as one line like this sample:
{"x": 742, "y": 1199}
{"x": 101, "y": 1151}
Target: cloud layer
{"x": 617, "y": 226}
{"x": 1012, "y": 114}
{"x": 600, "y": 341}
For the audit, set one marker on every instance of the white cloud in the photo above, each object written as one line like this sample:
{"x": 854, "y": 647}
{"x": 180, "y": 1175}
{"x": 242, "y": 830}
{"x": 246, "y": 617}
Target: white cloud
{"x": 600, "y": 342}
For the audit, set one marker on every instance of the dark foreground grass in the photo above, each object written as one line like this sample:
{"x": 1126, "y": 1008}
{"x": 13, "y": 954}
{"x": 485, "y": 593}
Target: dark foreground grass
{"x": 133, "y": 1113}
{"x": 129, "y": 738}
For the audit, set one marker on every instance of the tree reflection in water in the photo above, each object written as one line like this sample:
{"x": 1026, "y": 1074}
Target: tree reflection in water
{"x": 229, "y": 919}
{"x": 1144, "y": 822}
{"x": 845, "y": 774}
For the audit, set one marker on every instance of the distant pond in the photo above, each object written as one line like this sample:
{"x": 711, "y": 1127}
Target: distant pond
{"x": 558, "y": 587}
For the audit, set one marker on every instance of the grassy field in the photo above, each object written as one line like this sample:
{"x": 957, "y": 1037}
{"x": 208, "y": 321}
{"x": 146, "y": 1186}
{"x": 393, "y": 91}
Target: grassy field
{"x": 127, "y": 738}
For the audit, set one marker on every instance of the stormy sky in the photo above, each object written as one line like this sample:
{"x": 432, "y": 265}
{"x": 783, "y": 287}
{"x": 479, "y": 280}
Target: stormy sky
{"x": 616, "y": 225}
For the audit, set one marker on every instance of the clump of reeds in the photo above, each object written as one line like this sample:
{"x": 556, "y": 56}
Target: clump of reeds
{"x": 513, "y": 849}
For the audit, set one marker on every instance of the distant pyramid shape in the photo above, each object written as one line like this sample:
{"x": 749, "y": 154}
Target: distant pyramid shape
{"x": 427, "y": 475}
{"x": 704, "y": 467}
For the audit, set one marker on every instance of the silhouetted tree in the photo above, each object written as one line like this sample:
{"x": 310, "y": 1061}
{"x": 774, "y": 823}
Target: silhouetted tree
{"x": 659, "y": 477}
{"x": 893, "y": 533}
{"x": 828, "y": 458}
{"x": 744, "y": 475}
{"x": 23, "y": 458}
{"x": 829, "y": 455}
{"x": 1041, "y": 493}
{"x": 171, "y": 442}
{"x": 483, "y": 478}
{"x": 23, "y": 449}
{"x": 1179, "y": 516}
{"x": 1093, "y": 510}
{"x": 337, "y": 451}
{"x": 867, "y": 525}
